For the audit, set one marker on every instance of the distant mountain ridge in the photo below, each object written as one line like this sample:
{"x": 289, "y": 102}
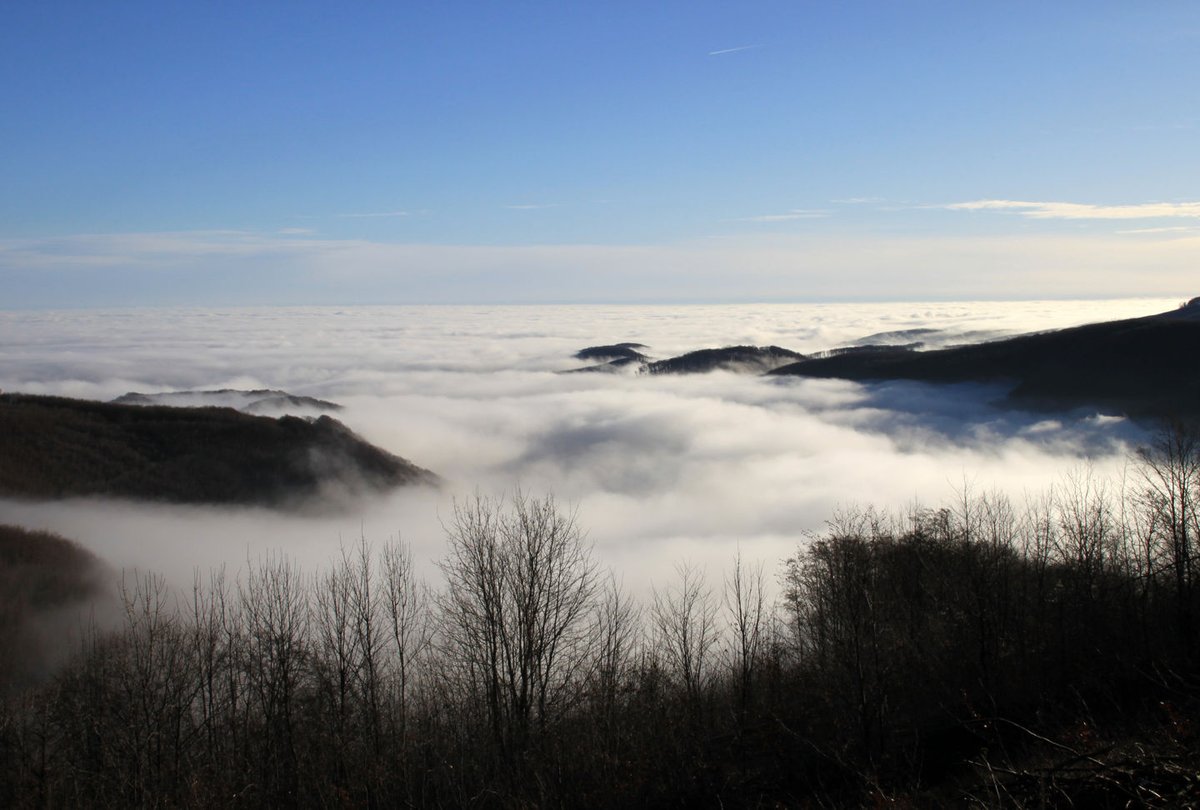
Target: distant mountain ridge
{"x": 741, "y": 359}
{"x": 614, "y": 351}
{"x": 1148, "y": 366}
{"x": 53, "y": 447}
{"x": 257, "y": 400}
{"x": 730, "y": 358}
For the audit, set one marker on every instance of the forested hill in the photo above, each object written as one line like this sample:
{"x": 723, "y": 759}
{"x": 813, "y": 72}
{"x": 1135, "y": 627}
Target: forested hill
{"x": 729, "y": 358}
{"x": 1142, "y": 366}
{"x": 53, "y": 447}
{"x": 41, "y": 574}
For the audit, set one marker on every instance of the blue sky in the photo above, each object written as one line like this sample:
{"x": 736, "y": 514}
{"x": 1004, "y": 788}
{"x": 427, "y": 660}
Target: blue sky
{"x": 176, "y": 153}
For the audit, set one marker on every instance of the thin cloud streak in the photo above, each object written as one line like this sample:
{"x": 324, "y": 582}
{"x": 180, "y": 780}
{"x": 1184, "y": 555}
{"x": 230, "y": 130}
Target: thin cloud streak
{"x": 1169, "y": 229}
{"x": 794, "y": 214}
{"x": 1066, "y": 210}
{"x": 738, "y": 49}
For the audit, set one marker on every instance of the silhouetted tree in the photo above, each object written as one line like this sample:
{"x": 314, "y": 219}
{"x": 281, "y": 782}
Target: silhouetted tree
{"x": 1170, "y": 467}
{"x": 685, "y": 624}
{"x": 521, "y": 586}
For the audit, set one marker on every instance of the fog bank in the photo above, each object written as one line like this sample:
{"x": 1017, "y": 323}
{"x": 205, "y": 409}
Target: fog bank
{"x": 659, "y": 469}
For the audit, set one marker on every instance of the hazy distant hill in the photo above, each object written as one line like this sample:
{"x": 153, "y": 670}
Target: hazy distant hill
{"x": 259, "y": 400}
{"x": 746, "y": 359}
{"x": 615, "y": 351}
{"x": 1142, "y": 366}
{"x": 40, "y": 573}
{"x": 729, "y": 358}
{"x": 52, "y": 447}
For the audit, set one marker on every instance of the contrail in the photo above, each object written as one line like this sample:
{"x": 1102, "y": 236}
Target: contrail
{"x": 734, "y": 50}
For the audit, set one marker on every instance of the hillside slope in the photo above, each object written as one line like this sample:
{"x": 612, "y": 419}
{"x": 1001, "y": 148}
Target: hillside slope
{"x": 40, "y": 575}
{"x": 753, "y": 359}
{"x": 52, "y": 447}
{"x": 1141, "y": 366}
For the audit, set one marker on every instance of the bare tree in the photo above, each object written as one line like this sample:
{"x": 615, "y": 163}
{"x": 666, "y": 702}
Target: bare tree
{"x": 835, "y": 591}
{"x": 217, "y": 641}
{"x": 408, "y": 620}
{"x": 370, "y": 639}
{"x": 1086, "y": 524}
{"x": 275, "y": 612}
{"x": 333, "y": 654}
{"x": 746, "y": 604}
{"x": 685, "y": 619}
{"x": 615, "y": 631}
{"x": 1170, "y": 466}
{"x": 520, "y": 588}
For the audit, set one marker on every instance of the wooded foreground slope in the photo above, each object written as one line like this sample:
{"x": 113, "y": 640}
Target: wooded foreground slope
{"x": 990, "y": 653}
{"x": 52, "y": 447}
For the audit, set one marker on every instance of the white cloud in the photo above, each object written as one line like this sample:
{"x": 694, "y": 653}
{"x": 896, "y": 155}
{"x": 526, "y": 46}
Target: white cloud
{"x": 1169, "y": 229}
{"x": 661, "y": 468}
{"x": 1065, "y": 210}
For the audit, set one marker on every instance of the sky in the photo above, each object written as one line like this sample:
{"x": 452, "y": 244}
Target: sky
{"x": 166, "y": 153}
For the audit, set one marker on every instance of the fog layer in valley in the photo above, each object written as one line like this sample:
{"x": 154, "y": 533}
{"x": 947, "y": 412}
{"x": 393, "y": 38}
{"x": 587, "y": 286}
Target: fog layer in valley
{"x": 660, "y": 469}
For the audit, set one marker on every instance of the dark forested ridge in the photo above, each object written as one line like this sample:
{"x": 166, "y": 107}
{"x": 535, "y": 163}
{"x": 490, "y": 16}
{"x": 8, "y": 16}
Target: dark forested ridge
{"x": 1142, "y": 366}
{"x": 729, "y": 358}
{"x": 258, "y": 400}
{"x": 613, "y": 351}
{"x": 740, "y": 359}
{"x": 52, "y": 447}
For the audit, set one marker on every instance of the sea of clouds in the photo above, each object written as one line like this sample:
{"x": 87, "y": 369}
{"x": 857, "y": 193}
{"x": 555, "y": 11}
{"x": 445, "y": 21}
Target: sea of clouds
{"x": 658, "y": 469}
